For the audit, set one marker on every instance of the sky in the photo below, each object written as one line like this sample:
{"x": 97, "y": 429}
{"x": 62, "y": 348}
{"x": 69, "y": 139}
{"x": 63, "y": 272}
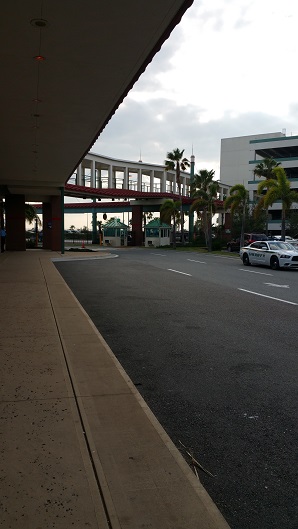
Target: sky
{"x": 228, "y": 69}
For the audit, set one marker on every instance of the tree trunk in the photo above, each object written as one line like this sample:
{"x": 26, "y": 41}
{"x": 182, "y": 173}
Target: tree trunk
{"x": 205, "y": 227}
{"x": 209, "y": 228}
{"x": 242, "y": 226}
{"x": 174, "y": 232}
{"x": 267, "y": 219}
{"x": 181, "y": 217}
{"x": 181, "y": 206}
{"x": 283, "y": 223}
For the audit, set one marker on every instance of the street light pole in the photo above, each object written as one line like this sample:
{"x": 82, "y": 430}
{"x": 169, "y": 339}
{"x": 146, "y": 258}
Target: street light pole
{"x": 191, "y": 214}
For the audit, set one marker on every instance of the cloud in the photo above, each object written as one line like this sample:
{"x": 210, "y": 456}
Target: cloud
{"x": 214, "y": 78}
{"x": 154, "y": 128}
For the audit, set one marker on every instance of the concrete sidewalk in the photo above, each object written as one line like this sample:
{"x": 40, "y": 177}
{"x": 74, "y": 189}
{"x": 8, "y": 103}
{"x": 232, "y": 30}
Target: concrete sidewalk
{"x": 79, "y": 446}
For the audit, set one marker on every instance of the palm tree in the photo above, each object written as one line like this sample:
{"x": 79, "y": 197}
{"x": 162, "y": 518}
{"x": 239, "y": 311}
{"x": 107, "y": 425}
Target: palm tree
{"x": 170, "y": 210}
{"x": 202, "y": 180}
{"x": 146, "y": 217}
{"x": 204, "y": 191}
{"x": 237, "y": 201}
{"x": 176, "y": 162}
{"x": 31, "y": 215}
{"x": 278, "y": 188}
{"x": 265, "y": 168}
{"x": 204, "y": 204}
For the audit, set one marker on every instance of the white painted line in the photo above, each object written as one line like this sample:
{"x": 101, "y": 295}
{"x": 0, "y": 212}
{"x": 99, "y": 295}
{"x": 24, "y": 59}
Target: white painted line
{"x": 223, "y": 257}
{"x": 270, "y": 297}
{"x": 75, "y": 258}
{"x": 279, "y": 286}
{"x": 254, "y": 272}
{"x": 194, "y": 261}
{"x": 177, "y": 272}
{"x": 161, "y": 254}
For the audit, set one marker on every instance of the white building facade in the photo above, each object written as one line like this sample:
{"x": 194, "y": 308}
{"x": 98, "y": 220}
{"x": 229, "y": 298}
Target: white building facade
{"x": 99, "y": 171}
{"x": 240, "y": 155}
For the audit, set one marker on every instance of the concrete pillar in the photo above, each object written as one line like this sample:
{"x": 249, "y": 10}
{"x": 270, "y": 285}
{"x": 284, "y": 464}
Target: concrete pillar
{"x": 137, "y": 234}
{"x": 125, "y": 178}
{"x": 92, "y": 182}
{"x": 139, "y": 185}
{"x": 163, "y": 186}
{"x": 79, "y": 175}
{"x": 15, "y": 222}
{"x": 151, "y": 181}
{"x": 110, "y": 177}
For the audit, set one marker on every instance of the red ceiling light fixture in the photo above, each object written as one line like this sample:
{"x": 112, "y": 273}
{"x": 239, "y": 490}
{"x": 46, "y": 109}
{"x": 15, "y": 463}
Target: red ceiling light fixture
{"x": 39, "y": 58}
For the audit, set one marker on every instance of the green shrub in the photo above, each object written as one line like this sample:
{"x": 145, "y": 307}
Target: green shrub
{"x": 198, "y": 241}
{"x": 216, "y": 244}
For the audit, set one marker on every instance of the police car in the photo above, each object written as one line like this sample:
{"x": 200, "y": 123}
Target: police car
{"x": 276, "y": 254}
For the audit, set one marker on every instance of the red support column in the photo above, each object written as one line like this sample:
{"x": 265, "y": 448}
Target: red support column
{"x": 46, "y": 226}
{"x": 56, "y": 223}
{"x": 137, "y": 233}
{"x": 15, "y": 222}
{"x": 52, "y": 224}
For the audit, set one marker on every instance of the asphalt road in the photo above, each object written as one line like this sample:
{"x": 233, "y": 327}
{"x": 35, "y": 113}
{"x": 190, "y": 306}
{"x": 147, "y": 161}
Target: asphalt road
{"x": 212, "y": 347}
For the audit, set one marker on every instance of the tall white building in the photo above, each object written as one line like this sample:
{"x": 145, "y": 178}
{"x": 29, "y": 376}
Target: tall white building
{"x": 236, "y": 155}
{"x": 239, "y": 157}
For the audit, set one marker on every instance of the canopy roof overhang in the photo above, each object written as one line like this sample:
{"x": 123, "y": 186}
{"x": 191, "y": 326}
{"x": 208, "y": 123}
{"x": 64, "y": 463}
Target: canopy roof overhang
{"x": 66, "y": 67}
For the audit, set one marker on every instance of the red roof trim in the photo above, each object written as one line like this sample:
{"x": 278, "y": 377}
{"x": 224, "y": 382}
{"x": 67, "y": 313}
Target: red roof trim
{"x": 118, "y": 193}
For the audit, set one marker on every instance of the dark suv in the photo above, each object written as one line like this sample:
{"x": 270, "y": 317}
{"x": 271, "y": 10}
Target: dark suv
{"x": 234, "y": 244}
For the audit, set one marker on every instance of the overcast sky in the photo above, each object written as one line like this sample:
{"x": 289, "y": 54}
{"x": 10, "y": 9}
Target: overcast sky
{"x": 228, "y": 69}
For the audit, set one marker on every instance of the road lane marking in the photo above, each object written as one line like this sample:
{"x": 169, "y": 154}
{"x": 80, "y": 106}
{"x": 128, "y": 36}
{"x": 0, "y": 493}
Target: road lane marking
{"x": 177, "y": 272}
{"x": 160, "y": 254}
{"x": 279, "y": 286}
{"x": 223, "y": 257}
{"x": 74, "y": 258}
{"x": 194, "y": 261}
{"x": 254, "y": 272}
{"x": 270, "y": 297}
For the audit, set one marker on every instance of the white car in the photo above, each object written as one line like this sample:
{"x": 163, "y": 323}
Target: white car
{"x": 277, "y": 254}
{"x": 287, "y": 238}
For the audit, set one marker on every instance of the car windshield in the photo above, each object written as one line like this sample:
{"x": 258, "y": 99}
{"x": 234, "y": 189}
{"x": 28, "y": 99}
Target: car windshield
{"x": 280, "y": 245}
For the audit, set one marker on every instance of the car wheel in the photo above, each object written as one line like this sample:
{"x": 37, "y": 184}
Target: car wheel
{"x": 274, "y": 263}
{"x": 245, "y": 259}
